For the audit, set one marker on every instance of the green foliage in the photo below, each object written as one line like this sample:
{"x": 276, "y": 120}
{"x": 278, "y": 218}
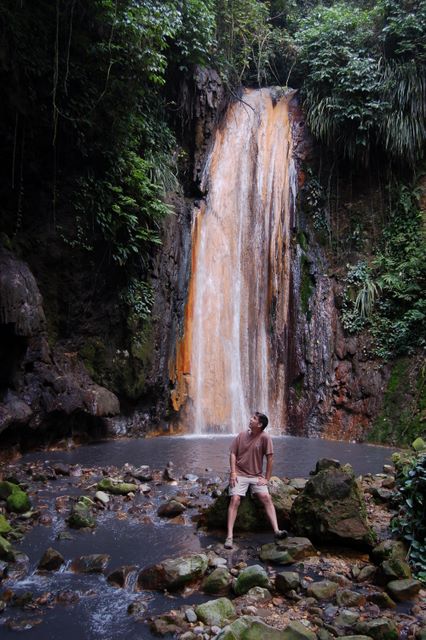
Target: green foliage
{"x": 355, "y": 96}
{"x": 359, "y": 296}
{"x": 388, "y": 296}
{"x": 410, "y": 522}
{"x": 401, "y": 418}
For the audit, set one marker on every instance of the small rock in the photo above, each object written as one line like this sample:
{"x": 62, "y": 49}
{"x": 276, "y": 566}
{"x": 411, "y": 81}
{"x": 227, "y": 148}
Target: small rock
{"x": 52, "y": 560}
{"x": 259, "y": 593}
{"x": 366, "y": 573}
{"x": 323, "y": 590}
{"x": 93, "y": 563}
{"x": 215, "y": 612}
{"x": 170, "y": 509}
{"x": 379, "y": 629}
{"x": 217, "y": 582}
{"x": 121, "y": 576}
{"x": 348, "y": 598}
{"x": 102, "y": 497}
{"x": 381, "y": 599}
{"x": 190, "y": 477}
{"x": 190, "y": 615}
{"x": 254, "y": 576}
{"x": 404, "y": 589}
{"x": 116, "y": 487}
{"x": 287, "y": 580}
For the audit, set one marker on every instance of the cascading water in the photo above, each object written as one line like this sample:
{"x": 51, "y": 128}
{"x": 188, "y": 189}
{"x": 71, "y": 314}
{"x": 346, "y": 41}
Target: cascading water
{"x": 239, "y": 299}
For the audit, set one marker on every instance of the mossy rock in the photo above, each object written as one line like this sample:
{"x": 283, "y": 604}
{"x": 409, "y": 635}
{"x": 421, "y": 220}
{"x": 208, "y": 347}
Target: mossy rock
{"x": 6, "y": 550}
{"x": 81, "y": 517}
{"x": 5, "y": 527}
{"x": 254, "y": 576}
{"x": 216, "y": 612}
{"x": 217, "y": 582}
{"x": 116, "y": 488}
{"x": 18, "y": 502}
{"x": 173, "y": 573}
{"x": 331, "y": 508}
{"x": 251, "y": 514}
{"x": 7, "y": 488}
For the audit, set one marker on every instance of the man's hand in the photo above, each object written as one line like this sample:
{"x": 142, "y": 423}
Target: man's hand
{"x": 262, "y": 481}
{"x": 233, "y": 479}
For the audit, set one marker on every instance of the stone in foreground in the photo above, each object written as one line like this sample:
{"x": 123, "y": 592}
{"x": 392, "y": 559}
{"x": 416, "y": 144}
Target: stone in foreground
{"x": 216, "y": 612}
{"x": 379, "y": 629}
{"x": 254, "y": 576}
{"x": 173, "y": 573}
{"x": 287, "y": 551}
{"x": 404, "y": 589}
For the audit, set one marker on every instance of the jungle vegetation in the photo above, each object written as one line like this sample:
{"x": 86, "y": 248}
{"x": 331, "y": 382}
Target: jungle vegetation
{"x": 93, "y": 147}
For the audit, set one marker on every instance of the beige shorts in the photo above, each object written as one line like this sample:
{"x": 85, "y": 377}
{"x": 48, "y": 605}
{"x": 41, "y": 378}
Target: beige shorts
{"x": 243, "y": 483}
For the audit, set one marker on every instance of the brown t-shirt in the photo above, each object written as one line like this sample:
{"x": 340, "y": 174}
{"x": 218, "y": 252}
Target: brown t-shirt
{"x": 249, "y": 451}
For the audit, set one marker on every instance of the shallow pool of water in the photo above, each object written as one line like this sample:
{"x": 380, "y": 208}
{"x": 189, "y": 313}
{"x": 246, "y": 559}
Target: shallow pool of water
{"x": 101, "y": 612}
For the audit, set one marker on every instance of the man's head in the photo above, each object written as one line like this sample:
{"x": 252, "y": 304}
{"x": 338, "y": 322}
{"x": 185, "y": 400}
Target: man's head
{"x": 259, "y": 420}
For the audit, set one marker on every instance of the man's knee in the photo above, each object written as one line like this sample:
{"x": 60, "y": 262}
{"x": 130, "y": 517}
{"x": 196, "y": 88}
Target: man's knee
{"x": 264, "y": 498}
{"x": 235, "y": 501}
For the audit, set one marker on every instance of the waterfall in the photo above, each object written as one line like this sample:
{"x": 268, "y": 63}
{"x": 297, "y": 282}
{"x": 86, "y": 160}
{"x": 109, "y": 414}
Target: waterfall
{"x": 237, "y": 316}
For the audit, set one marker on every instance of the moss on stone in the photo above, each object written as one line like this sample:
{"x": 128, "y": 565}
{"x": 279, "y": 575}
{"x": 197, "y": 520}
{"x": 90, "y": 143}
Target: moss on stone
{"x": 307, "y": 286}
{"x": 302, "y": 240}
{"x": 401, "y": 419}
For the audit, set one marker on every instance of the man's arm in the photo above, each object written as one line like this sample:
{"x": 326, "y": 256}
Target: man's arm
{"x": 269, "y": 462}
{"x": 233, "y": 466}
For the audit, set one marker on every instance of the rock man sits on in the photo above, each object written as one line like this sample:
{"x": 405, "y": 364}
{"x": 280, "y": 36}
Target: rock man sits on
{"x": 246, "y": 460}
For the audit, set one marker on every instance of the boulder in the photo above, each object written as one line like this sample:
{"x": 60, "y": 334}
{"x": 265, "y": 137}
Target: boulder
{"x": 216, "y": 612}
{"x": 93, "y": 563}
{"x": 331, "y": 508}
{"x": 322, "y": 590}
{"x": 52, "y": 560}
{"x": 404, "y": 589}
{"x": 110, "y": 485}
{"x": 142, "y": 473}
{"x": 286, "y": 551}
{"x": 378, "y": 629}
{"x": 251, "y": 514}
{"x": 173, "y": 573}
{"x": 218, "y": 581}
{"x": 254, "y": 576}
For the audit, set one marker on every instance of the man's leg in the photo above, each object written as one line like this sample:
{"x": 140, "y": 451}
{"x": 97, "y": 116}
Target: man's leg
{"x": 268, "y": 505}
{"x": 232, "y": 514}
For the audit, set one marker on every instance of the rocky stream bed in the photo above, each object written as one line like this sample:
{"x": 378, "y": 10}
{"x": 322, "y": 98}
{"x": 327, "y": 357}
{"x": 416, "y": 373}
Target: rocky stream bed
{"x": 108, "y": 552}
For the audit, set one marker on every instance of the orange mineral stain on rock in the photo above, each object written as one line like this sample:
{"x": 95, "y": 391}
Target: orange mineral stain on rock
{"x": 232, "y": 356}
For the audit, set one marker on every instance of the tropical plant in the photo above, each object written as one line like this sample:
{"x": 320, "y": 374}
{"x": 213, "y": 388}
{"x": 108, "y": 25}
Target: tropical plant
{"x": 410, "y": 522}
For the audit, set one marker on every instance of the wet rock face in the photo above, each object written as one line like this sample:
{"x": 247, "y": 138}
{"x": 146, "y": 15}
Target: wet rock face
{"x": 37, "y": 381}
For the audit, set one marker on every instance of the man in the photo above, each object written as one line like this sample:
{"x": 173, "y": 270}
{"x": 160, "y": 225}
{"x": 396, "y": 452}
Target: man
{"x": 246, "y": 460}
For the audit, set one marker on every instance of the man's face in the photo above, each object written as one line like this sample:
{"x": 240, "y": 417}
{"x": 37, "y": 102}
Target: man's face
{"x": 255, "y": 425}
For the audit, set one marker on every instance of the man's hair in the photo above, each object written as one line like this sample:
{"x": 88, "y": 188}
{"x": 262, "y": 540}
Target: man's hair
{"x": 262, "y": 419}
